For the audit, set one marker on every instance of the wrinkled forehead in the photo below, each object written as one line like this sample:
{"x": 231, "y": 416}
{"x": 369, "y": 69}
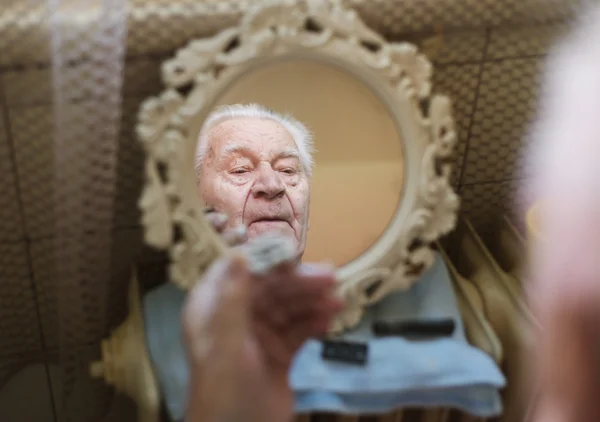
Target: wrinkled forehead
{"x": 263, "y": 137}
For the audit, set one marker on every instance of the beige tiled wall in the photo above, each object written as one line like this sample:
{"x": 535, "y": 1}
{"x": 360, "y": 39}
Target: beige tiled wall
{"x": 491, "y": 74}
{"x": 494, "y": 85}
{"x": 29, "y": 302}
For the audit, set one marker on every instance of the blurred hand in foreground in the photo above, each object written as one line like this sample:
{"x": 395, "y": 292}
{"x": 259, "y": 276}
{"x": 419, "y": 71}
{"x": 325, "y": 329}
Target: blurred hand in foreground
{"x": 242, "y": 332}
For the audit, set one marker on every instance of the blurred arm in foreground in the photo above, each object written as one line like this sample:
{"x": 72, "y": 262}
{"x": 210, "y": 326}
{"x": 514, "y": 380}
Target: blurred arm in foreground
{"x": 565, "y": 264}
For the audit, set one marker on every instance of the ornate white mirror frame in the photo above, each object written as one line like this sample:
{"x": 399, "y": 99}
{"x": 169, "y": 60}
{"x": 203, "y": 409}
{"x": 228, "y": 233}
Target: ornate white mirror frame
{"x": 169, "y": 124}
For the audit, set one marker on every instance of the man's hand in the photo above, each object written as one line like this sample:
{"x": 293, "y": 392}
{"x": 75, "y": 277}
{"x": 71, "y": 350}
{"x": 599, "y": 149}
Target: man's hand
{"x": 242, "y": 332}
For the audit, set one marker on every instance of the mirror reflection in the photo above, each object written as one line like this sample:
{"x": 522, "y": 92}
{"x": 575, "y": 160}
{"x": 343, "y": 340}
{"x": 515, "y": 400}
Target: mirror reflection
{"x": 306, "y": 150}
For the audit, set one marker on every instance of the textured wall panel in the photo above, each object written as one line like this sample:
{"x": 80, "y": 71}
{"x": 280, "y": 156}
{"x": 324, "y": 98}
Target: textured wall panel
{"x": 32, "y": 132}
{"x": 505, "y": 105}
{"x": 130, "y": 168}
{"x": 33, "y": 381}
{"x": 19, "y": 324}
{"x": 452, "y": 47}
{"x": 127, "y": 250}
{"x": 28, "y": 86}
{"x": 91, "y": 400}
{"x": 401, "y": 16}
{"x": 485, "y": 203}
{"x": 159, "y": 26}
{"x": 11, "y": 364}
{"x": 32, "y": 129}
{"x": 459, "y": 82}
{"x": 29, "y": 94}
{"x": 142, "y": 76}
{"x": 11, "y": 222}
{"x": 24, "y": 35}
{"x": 85, "y": 309}
{"x": 524, "y": 41}
{"x": 33, "y": 86}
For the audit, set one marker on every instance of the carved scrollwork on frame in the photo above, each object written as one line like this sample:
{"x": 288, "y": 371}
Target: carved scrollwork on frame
{"x": 168, "y": 127}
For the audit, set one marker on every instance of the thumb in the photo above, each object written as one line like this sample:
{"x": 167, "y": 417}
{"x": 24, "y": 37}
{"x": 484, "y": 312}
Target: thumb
{"x": 216, "y": 310}
{"x": 215, "y": 329}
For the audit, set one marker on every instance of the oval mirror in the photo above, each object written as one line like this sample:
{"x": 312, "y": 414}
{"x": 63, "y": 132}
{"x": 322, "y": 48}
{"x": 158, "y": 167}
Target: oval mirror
{"x": 236, "y": 127}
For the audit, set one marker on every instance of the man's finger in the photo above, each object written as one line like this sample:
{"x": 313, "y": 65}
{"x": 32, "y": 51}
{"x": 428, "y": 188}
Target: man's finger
{"x": 217, "y": 220}
{"x": 236, "y": 236}
{"x": 282, "y": 314}
{"x": 324, "y": 305}
{"x": 217, "y": 307}
{"x": 216, "y": 329}
{"x": 274, "y": 347}
{"x": 314, "y": 321}
{"x": 303, "y": 283}
{"x": 266, "y": 308}
{"x": 297, "y": 334}
{"x": 278, "y": 298}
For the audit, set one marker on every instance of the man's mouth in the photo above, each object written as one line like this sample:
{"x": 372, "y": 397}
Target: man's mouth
{"x": 269, "y": 220}
{"x": 268, "y": 223}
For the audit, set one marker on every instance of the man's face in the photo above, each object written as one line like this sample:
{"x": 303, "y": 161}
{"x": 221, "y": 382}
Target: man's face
{"x": 252, "y": 173}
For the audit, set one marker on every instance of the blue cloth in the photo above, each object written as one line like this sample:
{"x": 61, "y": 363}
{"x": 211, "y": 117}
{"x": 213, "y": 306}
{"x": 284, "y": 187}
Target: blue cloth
{"x": 162, "y": 320}
{"x": 400, "y": 372}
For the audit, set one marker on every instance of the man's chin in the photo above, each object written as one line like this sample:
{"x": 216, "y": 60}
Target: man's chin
{"x": 282, "y": 241}
{"x": 279, "y": 229}
{"x": 276, "y": 228}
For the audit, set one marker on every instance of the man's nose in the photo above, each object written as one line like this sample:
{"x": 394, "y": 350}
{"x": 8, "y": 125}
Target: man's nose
{"x": 268, "y": 183}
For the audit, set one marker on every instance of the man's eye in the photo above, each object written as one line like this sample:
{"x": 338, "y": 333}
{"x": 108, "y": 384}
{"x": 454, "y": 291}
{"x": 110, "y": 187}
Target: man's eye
{"x": 289, "y": 171}
{"x": 239, "y": 171}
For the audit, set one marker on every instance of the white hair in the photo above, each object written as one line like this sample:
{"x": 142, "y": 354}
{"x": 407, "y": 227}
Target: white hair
{"x": 300, "y": 133}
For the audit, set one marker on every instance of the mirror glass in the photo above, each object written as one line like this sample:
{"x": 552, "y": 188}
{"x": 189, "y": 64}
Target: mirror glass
{"x": 358, "y": 174}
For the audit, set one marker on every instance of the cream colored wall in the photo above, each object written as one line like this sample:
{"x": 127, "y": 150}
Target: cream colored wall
{"x": 359, "y": 170}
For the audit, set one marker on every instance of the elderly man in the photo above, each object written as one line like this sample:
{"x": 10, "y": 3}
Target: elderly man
{"x": 242, "y": 331}
{"x": 254, "y": 166}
